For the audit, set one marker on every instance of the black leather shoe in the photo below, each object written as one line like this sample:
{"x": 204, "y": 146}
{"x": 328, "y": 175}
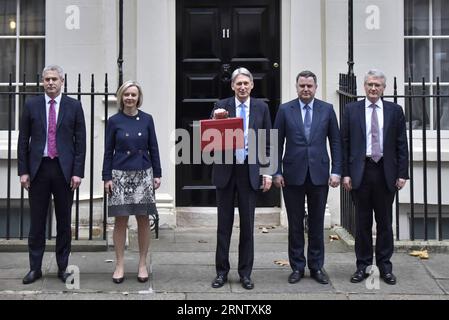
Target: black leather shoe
{"x": 388, "y": 278}
{"x": 32, "y": 276}
{"x": 247, "y": 283}
{"x": 320, "y": 276}
{"x": 219, "y": 281}
{"x": 118, "y": 280}
{"x": 359, "y": 276}
{"x": 295, "y": 276}
{"x": 64, "y": 275}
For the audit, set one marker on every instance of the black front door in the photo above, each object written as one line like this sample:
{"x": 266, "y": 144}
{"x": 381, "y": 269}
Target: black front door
{"x": 213, "y": 38}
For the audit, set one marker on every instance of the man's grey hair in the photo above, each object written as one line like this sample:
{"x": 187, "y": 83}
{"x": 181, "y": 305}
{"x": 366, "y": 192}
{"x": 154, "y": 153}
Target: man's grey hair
{"x": 376, "y": 74}
{"x": 54, "y": 67}
{"x": 243, "y": 71}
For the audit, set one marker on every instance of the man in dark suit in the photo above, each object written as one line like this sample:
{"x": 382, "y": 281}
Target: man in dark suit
{"x": 305, "y": 124}
{"x": 51, "y": 155}
{"x": 241, "y": 176}
{"x": 375, "y": 165}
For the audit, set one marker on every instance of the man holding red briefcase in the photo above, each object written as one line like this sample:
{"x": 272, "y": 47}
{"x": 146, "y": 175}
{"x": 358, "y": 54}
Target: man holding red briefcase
{"x": 241, "y": 177}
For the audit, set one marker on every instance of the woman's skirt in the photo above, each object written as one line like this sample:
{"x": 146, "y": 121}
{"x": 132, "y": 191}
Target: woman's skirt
{"x": 132, "y": 193}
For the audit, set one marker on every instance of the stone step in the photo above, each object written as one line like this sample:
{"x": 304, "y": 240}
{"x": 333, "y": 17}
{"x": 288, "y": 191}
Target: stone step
{"x": 207, "y": 217}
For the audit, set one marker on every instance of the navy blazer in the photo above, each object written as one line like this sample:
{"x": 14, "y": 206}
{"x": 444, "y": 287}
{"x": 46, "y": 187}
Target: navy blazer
{"x": 395, "y": 148}
{"x": 302, "y": 155}
{"x": 131, "y": 144}
{"x": 259, "y": 118}
{"x": 70, "y": 137}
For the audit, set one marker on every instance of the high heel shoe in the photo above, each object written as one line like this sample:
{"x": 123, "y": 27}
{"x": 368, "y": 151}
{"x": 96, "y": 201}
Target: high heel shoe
{"x": 142, "y": 279}
{"x": 118, "y": 280}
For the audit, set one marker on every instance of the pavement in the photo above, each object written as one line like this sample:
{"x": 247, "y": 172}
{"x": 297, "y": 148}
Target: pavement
{"x": 182, "y": 267}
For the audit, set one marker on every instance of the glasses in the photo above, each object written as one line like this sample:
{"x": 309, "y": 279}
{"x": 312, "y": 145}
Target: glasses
{"x": 375, "y": 85}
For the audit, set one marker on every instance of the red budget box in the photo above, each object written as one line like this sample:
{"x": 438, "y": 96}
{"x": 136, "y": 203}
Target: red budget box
{"x": 221, "y": 134}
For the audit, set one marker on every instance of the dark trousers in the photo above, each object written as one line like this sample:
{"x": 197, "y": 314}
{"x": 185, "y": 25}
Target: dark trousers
{"x": 50, "y": 181}
{"x": 246, "y": 196}
{"x": 373, "y": 195}
{"x": 294, "y": 197}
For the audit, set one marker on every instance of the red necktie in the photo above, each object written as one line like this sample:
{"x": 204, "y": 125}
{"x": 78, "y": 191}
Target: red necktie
{"x": 51, "y": 136}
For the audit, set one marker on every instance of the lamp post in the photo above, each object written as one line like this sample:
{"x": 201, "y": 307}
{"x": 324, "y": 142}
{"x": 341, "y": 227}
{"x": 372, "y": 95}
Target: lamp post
{"x": 350, "y": 38}
{"x": 120, "y": 48}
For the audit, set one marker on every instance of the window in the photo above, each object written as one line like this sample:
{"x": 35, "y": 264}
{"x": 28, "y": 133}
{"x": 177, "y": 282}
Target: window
{"x": 426, "y": 30}
{"x": 22, "y": 51}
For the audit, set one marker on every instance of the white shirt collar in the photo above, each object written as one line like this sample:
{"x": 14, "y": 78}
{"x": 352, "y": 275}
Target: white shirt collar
{"x": 57, "y": 99}
{"x": 246, "y": 103}
{"x": 379, "y": 103}
{"x": 310, "y": 104}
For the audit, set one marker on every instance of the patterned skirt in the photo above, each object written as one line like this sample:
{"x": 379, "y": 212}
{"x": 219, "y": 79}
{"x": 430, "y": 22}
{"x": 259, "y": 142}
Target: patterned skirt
{"x": 132, "y": 193}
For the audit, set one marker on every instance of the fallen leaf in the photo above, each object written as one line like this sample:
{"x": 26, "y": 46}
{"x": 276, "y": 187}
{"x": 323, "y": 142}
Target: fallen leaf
{"x": 282, "y": 263}
{"x": 333, "y": 237}
{"x": 422, "y": 254}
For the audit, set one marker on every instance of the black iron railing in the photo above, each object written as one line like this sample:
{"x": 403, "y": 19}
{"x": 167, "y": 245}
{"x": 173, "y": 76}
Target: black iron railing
{"x": 6, "y": 209}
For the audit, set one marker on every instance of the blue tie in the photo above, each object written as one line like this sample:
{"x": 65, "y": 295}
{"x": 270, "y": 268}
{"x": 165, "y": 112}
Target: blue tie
{"x": 307, "y": 122}
{"x": 240, "y": 153}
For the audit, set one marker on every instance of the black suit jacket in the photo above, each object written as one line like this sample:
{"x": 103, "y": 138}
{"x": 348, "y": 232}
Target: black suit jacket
{"x": 302, "y": 155}
{"x": 70, "y": 137}
{"x": 259, "y": 118}
{"x": 395, "y": 148}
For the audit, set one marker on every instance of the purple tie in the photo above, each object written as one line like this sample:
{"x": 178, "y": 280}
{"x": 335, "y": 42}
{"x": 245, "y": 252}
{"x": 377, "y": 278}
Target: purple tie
{"x": 51, "y": 150}
{"x": 375, "y": 138}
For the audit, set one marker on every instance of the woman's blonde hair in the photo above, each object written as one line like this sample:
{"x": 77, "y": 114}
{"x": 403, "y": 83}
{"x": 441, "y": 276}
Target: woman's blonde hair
{"x": 122, "y": 89}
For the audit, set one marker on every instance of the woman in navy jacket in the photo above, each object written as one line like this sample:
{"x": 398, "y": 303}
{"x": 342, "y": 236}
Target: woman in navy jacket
{"x": 131, "y": 173}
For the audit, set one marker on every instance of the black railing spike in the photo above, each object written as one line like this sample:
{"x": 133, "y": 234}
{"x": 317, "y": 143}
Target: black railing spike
{"x": 395, "y": 94}
{"x": 439, "y": 197}
{"x": 8, "y": 180}
{"x": 410, "y": 143}
{"x": 79, "y": 86}
{"x": 105, "y": 198}
{"x": 92, "y": 134}
{"x": 424, "y": 154}
{"x": 395, "y": 90}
